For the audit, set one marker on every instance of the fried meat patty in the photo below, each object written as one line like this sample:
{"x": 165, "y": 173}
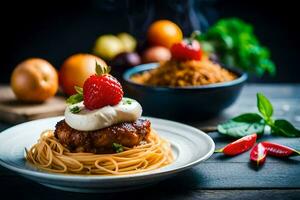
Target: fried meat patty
{"x": 127, "y": 134}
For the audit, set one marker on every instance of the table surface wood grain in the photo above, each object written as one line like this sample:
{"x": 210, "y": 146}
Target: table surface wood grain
{"x": 219, "y": 177}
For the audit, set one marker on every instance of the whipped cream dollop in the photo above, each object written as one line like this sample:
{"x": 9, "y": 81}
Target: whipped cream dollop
{"x": 128, "y": 110}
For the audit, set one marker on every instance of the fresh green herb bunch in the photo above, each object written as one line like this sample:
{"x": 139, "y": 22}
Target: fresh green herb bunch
{"x": 234, "y": 42}
{"x": 250, "y": 123}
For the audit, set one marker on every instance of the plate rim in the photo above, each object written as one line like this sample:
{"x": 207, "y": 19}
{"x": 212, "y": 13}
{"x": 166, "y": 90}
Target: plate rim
{"x": 90, "y": 178}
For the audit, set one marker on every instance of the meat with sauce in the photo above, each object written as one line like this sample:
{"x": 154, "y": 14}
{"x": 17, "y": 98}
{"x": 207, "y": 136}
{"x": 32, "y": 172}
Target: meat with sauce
{"x": 127, "y": 134}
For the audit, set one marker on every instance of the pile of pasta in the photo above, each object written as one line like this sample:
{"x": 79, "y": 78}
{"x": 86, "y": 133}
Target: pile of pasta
{"x": 49, "y": 155}
{"x": 187, "y": 73}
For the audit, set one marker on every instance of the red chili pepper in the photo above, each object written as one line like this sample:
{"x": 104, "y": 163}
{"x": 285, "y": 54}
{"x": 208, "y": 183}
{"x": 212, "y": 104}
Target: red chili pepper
{"x": 239, "y": 146}
{"x": 258, "y": 154}
{"x": 279, "y": 150}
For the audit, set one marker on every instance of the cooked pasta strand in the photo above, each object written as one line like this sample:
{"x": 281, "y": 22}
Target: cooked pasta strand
{"x": 49, "y": 155}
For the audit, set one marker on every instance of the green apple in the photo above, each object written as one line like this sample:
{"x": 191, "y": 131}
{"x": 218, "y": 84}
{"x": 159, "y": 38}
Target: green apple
{"x": 108, "y": 46}
{"x": 129, "y": 42}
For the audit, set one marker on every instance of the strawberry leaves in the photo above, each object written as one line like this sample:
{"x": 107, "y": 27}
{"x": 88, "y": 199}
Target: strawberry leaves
{"x": 102, "y": 69}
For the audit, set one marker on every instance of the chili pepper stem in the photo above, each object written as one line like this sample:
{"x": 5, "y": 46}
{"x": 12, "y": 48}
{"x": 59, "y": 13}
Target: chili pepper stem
{"x": 297, "y": 152}
{"x": 219, "y": 150}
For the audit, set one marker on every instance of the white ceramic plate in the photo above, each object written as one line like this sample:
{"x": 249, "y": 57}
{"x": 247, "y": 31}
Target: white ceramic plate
{"x": 190, "y": 147}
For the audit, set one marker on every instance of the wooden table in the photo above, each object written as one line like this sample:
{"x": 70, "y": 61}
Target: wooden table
{"x": 219, "y": 177}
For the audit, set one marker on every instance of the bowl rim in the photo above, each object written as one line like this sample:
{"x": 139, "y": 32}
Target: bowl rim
{"x": 145, "y": 67}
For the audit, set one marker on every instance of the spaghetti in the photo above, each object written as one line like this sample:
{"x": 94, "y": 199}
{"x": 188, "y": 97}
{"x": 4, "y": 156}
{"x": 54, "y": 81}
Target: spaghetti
{"x": 187, "y": 73}
{"x": 49, "y": 155}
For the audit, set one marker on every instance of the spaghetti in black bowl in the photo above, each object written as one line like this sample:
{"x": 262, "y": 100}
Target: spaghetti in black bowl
{"x": 188, "y": 103}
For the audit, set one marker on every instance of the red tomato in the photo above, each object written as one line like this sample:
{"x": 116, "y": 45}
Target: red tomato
{"x": 186, "y": 50}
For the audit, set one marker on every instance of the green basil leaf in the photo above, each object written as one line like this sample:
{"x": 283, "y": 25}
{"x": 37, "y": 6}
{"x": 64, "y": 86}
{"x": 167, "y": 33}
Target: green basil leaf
{"x": 264, "y": 106}
{"x": 76, "y": 98}
{"x": 248, "y": 118}
{"x": 284, "y": 128}
{"x": 240, "y": 129}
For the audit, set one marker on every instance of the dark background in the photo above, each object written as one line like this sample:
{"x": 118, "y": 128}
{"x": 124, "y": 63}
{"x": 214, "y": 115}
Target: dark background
{"x": 55, "y": 30}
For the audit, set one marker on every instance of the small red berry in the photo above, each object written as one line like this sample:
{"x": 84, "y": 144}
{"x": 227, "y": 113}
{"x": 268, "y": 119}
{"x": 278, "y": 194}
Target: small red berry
{"x": 186, "y": 50}
{"x": 101, "y": 89}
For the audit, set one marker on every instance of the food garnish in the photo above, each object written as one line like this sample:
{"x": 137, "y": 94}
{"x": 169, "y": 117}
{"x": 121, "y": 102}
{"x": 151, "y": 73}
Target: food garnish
{"x": 258, "y": 154}
{"x": 186, "y": 50}
{"x": 75, "y": 109}
{"x": 239, "y": 146}
{"x": 235, "y": 44}
{"x": 126, "y": 101}
{"x": 248, "y": 123}
{"x": 118, "y": 147}
{"x": 99, "y": 90}
{"x": 76, "y": 98}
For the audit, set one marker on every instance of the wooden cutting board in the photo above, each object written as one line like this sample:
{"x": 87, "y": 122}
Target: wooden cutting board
{"x": 14, "y": 111}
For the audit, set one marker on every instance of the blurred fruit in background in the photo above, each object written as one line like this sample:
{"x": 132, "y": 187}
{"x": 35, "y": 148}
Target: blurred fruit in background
{"x": 126, "y": 60}
{"x": 156, "y": 54}
{"x": 108, "y": 46}
{"x": 164, "y": 33}
{"x": 76, "y": 69}
{"x": 129, "y": 42}
{"x": 186, "y": 50}
{"x": 34, "y": 80}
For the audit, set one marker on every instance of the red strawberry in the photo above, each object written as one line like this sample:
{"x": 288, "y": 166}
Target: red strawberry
{"x": 101, "y": 89}
{"x": 186, "y": 50}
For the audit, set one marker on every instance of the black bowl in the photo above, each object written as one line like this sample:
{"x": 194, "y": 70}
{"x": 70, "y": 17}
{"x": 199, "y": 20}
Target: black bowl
{"x": 192, "y": 103}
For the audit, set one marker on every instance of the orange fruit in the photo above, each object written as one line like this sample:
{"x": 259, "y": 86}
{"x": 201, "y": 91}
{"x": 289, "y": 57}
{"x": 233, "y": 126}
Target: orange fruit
{"x": 34, "y": 80}
{"x": 76, "y": 69}
{"x": 164, "y": 33}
